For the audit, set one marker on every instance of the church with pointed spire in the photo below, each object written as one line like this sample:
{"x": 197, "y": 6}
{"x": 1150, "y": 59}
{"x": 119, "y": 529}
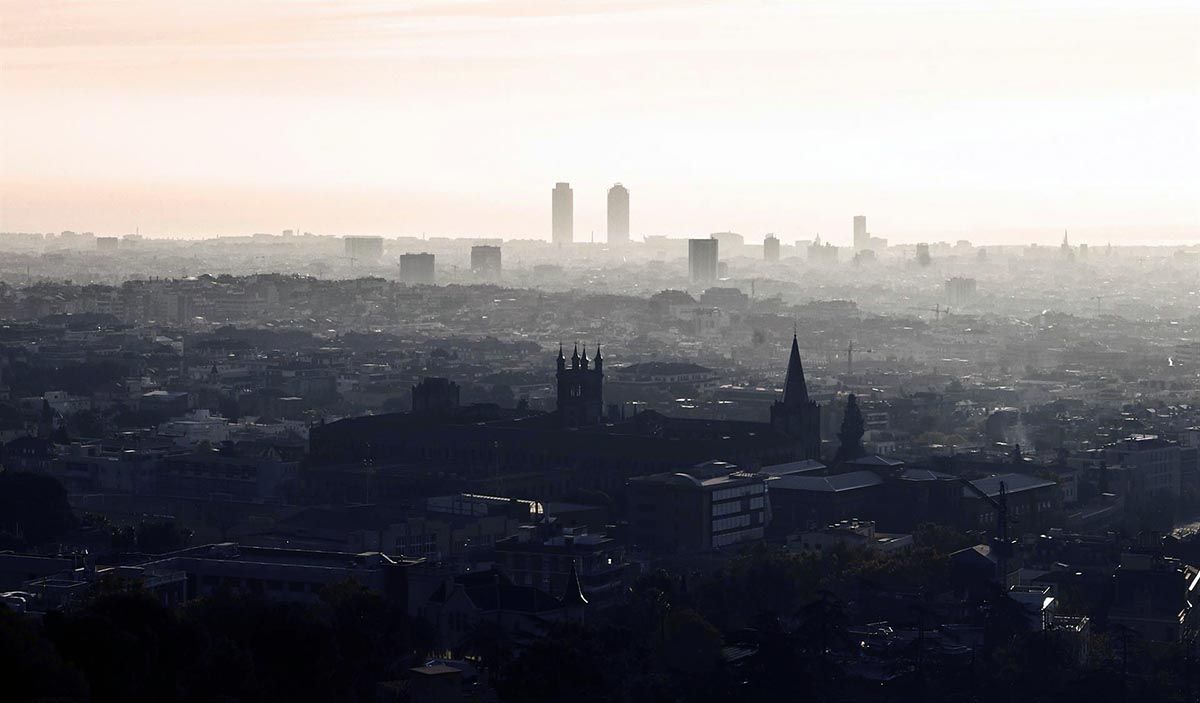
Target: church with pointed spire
{"x": 797, "y": 416}
{"x": 548, "y": 455}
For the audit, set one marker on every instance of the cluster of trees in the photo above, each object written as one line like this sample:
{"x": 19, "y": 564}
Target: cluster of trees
{"x": 124, "y": 646}
{"x": 33, "y": 510}
{"x": 785, "y": 638}
{"x": 25, "y": 379}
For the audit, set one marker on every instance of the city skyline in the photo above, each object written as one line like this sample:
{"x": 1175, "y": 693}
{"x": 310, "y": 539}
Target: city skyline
{"x": 944, "y": 122}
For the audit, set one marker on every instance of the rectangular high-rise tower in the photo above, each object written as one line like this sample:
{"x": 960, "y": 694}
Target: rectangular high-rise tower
{"x": 618, "y": 214}
{"x": 702, "y": 260}
{"x": 861, "y": 240}
{"x": 771, "y": 248}
{"x": 562, "y": 214}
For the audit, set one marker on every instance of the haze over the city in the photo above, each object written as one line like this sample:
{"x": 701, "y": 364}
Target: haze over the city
{"x": 1000, "y": 123}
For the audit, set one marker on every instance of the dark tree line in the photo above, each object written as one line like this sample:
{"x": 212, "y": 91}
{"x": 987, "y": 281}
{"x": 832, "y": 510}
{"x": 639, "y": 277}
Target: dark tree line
{"x": 125, "y": 646}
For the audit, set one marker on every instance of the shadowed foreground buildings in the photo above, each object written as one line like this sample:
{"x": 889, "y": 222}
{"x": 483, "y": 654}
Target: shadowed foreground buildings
{"x": 546, "y": 455}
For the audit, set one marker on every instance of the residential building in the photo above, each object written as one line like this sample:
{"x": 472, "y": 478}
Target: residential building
{"x": 710, "y": 506}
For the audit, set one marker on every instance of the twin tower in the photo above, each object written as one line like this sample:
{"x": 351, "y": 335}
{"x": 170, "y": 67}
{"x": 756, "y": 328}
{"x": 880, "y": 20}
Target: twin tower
{"x": 562, "y": 214}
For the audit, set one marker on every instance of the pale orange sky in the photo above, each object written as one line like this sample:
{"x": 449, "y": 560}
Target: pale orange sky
{"x": 456, "y": 117}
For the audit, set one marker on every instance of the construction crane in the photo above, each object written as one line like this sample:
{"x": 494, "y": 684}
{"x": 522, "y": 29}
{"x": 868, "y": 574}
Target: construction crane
{"x": 938, "y": 310}
{"x": 850, "y": 356}
{"x": 1000, "y": 542}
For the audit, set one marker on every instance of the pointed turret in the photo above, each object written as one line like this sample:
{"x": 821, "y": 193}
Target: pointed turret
{"x": 795, "y": 389}
{"x": 583, "y": 360}
{"x": 796, "y": 416}
{"x": 573, "y": 597}
{"x": 562, "y": 360}
{"x": 599, "y": 359}
{"x": 575, "y": 357}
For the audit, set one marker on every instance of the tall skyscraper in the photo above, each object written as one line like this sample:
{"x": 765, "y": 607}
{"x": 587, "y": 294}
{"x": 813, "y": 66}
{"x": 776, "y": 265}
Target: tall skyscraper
{"x": 563, "y": 214}
{"x": 702, "y": 260}
{"x": 860, "y": 233}
{"x": 618, "y": 215}
{"x": 771, "y": 248}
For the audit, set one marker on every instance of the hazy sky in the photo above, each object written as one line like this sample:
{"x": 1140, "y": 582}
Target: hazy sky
{"x": 455, "y": 117}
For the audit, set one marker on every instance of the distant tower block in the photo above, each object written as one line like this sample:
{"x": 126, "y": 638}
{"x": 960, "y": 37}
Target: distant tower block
{"x": 771, "y": 248}
{"x": 562, "y": 214}
{"x": 923, "y": 257}
{"x": 860, "y": 233}
{"x": 618, "y": 215}
{"x": 367, "y": 248}
{"x": 485, "y": 262}
{"x": 417, "y": 269}
{"x": 702, "y": 260}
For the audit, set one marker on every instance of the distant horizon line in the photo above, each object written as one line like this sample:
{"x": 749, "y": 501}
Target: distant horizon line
{"x": 1185, "y": 240}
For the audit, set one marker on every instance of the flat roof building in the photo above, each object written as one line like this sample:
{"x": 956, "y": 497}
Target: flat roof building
{"x": 562, "y": 214}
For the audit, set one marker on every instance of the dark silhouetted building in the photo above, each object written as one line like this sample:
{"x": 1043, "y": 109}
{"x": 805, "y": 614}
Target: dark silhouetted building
{"x": 435, "y": 396}
{"x": 709, "y": 506}
{"x": 580, "y": 389}
{"x": 796, "y": 415}
{"x": 545, "y": 456}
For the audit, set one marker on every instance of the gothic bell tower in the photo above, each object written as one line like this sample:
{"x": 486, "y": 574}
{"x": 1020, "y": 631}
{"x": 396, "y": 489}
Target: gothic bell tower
{"x": 580, "y": 388}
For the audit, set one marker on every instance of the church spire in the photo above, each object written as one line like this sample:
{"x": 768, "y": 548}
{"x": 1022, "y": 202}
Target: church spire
{"x": 573, "y": 596}
{"x": 795, "y": 389}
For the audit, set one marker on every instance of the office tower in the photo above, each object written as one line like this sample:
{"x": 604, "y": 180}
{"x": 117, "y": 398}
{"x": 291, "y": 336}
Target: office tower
{"x": 618, "y": 214}
{"x": 417, "y": 269}
{"x": 923, "y": 257}
{"x": 364, "y": 247}
{"x": 563, "y": 214}
{"x": 702, "y": 260}
{"x": 485, "y": 261}
{"x": 771, "y": 248}
{"x": 860, "y": 233}
{"x": 107, "y": 243}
